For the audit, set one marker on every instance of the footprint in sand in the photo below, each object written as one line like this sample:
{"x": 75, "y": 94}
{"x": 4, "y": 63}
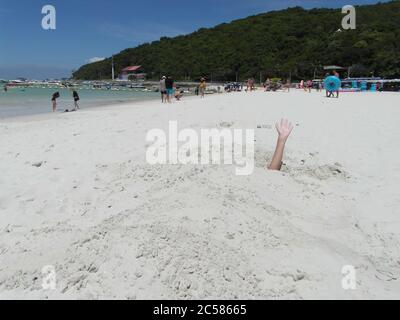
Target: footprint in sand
{"x": 226, "y": 124}
{"x": 37, "y": 164}
{"x": 323, "y": 172}
{"x": 264, "y": 126}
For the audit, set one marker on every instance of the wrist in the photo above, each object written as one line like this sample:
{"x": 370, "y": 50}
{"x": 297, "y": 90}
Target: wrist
{"x": 282, "y": 140}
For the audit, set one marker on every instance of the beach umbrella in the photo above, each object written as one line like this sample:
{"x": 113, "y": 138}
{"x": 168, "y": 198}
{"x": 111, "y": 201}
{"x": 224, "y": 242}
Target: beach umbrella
{"x": 332, "y": 83}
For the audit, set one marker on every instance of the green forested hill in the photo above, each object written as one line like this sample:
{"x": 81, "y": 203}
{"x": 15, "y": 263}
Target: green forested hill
{"x": 280, "y": 43}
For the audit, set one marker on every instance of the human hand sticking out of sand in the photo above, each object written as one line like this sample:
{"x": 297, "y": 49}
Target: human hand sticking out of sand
{"x": 284, "y": 129}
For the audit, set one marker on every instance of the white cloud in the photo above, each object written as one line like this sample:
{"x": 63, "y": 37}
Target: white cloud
{"x": 95, "y": 59}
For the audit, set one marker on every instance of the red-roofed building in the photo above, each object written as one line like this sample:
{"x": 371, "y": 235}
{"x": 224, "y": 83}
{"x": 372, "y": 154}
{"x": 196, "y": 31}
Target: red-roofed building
{"x": 132, "y": 73}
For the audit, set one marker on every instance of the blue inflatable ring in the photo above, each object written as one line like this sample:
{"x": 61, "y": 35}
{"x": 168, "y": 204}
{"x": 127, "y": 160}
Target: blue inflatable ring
{"x": 332, "y": 83}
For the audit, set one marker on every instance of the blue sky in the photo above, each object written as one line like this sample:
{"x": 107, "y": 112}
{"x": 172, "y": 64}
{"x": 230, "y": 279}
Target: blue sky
{"x": 88, "y": 29}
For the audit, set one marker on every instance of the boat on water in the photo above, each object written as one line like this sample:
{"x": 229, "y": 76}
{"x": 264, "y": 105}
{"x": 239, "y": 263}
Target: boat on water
{"x": 16, "y": 83}
{"x": 34, "y": 83}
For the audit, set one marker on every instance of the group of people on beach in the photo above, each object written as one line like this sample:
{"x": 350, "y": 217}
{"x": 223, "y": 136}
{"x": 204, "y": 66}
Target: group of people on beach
{"x": 319, "y": 85}
{"x": 202, "y": 87}
{"x": 309, "y": 85}
{"x": 169, "y": 89}
{"x": 75, "y": 96}
{"x": 270, "y": 85}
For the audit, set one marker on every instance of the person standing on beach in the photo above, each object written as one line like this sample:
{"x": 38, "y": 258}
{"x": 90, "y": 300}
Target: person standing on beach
{"x": 76, "y": 99}
{"x": 54, "y": 98}
{"x": 248, "y": 89}
{"x": 202, "y": 87}
{"x": 250, "y": 85}
{"x": 309, "y": 85}
{"x": 163, "y": 90}
{"x": 288, "y": 85}
{"x": 267, "y": 84}
{"x": 5, "y": 88}
{"x": 169, "y": 88}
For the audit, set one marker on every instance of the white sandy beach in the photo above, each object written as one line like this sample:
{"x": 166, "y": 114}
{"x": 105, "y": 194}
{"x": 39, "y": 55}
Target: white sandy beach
{"x": 78, "y": 194}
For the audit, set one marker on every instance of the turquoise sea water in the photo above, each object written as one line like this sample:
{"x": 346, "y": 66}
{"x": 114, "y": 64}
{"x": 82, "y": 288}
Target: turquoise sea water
{"x": 29, "y": 101}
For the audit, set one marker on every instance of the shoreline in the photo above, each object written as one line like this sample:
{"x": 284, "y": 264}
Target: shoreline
{"x": 35, "y": 102}
{"x": 43, "y": 116}
{"x": 50, "y": 115}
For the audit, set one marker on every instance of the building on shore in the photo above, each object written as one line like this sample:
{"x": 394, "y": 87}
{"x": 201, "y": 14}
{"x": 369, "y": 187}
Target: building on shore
{"x": 132, "y": 73}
